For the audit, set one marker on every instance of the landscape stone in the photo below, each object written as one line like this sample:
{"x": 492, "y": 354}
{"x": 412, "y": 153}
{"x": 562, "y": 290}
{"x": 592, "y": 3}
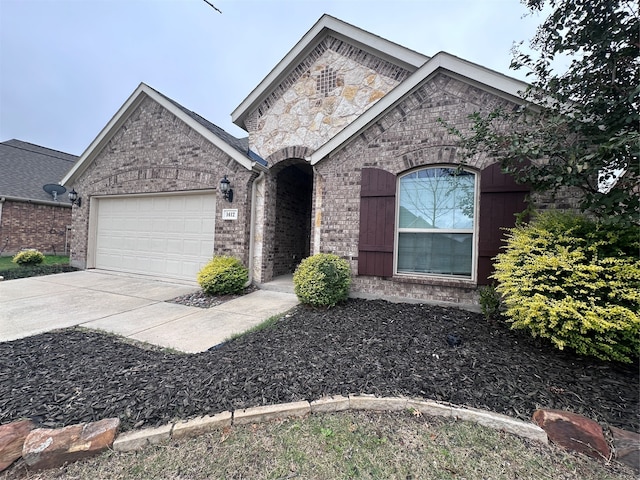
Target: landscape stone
{"x": 573, "y": 432}
{"x": 271, "y": 412}
{"x": 201, "y": 425}
{"x": 336, "y": 403}
{"x": 492, "y": 420}
{"x": 49, "y": 448}
{"x": 429, "y": 407}
{"x": 12, "y": 437}
{"x": 138, "y": 439}
{"x": 500, "y": 422}
{"x": 381, "y": 404}
{"x": 627, "y": 447}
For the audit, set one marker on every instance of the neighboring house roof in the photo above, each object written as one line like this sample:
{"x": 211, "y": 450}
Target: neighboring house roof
{"x": 327, "y": 25}
{"x": 26, "y": 168}
{"x": 237, "y": 149}
{"x": 485, "y": 78}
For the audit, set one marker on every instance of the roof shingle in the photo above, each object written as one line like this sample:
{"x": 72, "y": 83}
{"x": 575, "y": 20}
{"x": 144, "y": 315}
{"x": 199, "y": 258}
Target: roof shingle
{"x": 25, "y": 168}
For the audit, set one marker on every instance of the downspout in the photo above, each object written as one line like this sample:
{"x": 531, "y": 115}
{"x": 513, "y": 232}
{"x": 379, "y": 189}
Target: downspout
{"x": 252, "y": 221}
{"x": 2, "y": 246}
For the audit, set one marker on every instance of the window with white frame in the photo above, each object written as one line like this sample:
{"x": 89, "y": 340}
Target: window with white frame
{"x": 436, "y": 216}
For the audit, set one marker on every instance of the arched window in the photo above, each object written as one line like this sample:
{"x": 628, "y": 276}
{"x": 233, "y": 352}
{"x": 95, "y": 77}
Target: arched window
{"x": 436, "y": 222}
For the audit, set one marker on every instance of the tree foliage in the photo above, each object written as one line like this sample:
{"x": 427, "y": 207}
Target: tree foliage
{"x": 579, "y": 125}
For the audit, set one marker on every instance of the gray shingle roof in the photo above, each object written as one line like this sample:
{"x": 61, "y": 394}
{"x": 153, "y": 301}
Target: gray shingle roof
{"x": 25, "y": 168}
{"x": 240, "y": 144}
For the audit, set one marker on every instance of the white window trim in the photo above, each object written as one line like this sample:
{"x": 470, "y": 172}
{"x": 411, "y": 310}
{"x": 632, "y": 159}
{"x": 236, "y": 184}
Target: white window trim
{"x": 474, "y": 231}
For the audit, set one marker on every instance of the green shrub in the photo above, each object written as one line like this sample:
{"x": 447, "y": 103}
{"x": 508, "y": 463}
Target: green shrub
{"x": 28, "y": 258}
{"x": 35, "y": 271}
{"x": 223, "y": 275}
{"x": 575, "y": 282}
{"x": 322, "y": 280}
{"x": 489, "y": 301}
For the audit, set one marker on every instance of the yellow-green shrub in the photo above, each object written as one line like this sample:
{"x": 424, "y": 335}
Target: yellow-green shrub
{"x": 223, "y": 275}
{"x": 322, "y": 280}
{"x": 28, "y": 257}
{"x": 575, "y": 282}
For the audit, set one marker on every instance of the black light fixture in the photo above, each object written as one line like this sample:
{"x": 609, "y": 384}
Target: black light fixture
{"x": 226, "y": 190}
{"x": 74, "y": 198}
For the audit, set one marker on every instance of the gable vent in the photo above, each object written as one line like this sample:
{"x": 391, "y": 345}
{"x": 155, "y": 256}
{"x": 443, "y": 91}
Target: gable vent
{"x": 326, "y": 81}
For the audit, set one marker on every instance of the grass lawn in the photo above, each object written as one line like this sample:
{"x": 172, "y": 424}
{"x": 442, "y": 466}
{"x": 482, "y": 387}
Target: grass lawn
{"x": 349, "y": 445}
{"x": 7, "y": 264}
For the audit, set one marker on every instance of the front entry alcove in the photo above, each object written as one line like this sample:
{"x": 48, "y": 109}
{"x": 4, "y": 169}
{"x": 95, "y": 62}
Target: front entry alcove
{"x": 292, "y": 222}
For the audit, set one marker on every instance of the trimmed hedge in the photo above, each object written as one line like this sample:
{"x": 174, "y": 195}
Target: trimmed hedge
{"x": 223, "y": 275}
{"x": 322, "y": 280}
{"x": 575, "y": 282}
{"x": 35, "y": 271}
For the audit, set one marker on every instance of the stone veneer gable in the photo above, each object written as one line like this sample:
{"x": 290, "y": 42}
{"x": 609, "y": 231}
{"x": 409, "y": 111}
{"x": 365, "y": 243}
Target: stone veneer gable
{"x": 327, "y": 91}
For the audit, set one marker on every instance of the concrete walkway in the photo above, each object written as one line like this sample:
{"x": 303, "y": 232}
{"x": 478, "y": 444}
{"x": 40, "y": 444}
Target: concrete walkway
{"x": 133, "y": 306}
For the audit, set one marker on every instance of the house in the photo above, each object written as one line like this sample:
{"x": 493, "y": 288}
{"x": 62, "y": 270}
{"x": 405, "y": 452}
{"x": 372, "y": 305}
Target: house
{"x": 346, "y": 153}
{"x": 29, "y": 216}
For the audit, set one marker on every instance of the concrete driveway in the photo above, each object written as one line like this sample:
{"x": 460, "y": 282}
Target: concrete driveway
{"x": 129, "y": 305}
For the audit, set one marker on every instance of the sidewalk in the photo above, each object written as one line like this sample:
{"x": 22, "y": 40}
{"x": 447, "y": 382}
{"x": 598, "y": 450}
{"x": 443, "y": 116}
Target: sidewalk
{"x": 135, "y": 307}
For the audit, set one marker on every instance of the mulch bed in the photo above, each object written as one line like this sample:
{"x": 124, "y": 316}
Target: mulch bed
{"x": 202, "y": 300}
{"x": 372, "y": 347}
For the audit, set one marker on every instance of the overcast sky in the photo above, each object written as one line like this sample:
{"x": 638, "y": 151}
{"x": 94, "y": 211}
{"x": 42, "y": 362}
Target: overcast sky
{"x": 67, "y": 66}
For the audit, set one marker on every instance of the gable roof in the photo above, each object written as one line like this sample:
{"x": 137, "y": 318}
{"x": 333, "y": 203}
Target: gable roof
{"x": 485, "y": 78}
{"x": 327, "y": 25}
{"x": 238, "y": 149}
{"x": 26, "y": 168}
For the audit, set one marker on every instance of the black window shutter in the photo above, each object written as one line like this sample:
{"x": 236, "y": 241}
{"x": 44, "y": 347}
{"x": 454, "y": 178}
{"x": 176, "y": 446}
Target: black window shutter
{"x": 377, "y": 220}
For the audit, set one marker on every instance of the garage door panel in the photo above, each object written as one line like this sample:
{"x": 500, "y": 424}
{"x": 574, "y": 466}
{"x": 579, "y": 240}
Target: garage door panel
{"x": 175, "y": 225}
{"x": 166, "y": 235}
{"x": 193, "y": 247}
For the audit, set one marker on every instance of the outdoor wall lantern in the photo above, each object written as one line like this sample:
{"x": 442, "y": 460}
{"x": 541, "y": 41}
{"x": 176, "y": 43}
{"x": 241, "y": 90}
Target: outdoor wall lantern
{"x": 226, "y": 190}
{"x": 74, "y": 198}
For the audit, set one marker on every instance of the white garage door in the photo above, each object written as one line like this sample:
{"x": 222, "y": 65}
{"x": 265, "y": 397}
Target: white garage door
{"x": 160, "y": 235}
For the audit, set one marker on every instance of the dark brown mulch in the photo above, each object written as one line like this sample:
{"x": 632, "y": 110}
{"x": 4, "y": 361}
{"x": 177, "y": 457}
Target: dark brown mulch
{"x": 372, "y": 347}
{"x": 202, "y": 300}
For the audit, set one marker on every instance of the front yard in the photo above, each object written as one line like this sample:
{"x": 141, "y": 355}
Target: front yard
{"x": 51, "y": 264}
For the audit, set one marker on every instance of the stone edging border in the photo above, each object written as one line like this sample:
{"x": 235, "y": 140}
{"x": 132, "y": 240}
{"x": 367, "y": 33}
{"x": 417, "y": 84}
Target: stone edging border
{"x": 138, "y": 439}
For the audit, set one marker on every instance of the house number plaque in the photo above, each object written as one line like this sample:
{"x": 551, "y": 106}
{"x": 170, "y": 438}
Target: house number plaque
{"x": 230, "y": 214}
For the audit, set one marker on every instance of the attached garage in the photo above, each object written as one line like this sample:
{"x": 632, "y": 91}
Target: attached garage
{"x": 169, "y": 235}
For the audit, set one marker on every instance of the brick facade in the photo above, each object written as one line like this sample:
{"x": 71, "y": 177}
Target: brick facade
{"x": 302, "y": 209}
{"x": 155, "y": 152}
{"x": 409, "y": 136}
{"x": 32, "y": 225}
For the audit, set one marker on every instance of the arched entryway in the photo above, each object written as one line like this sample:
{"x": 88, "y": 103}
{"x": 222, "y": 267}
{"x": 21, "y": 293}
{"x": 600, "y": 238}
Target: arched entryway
{"x": 293, "y": 208}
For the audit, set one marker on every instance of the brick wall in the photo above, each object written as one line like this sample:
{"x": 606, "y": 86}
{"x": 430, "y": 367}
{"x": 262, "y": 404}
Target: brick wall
{"x": 410, "y": 135}
{"x": 31, "y": 225}
{"x": 154, "y": 151}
